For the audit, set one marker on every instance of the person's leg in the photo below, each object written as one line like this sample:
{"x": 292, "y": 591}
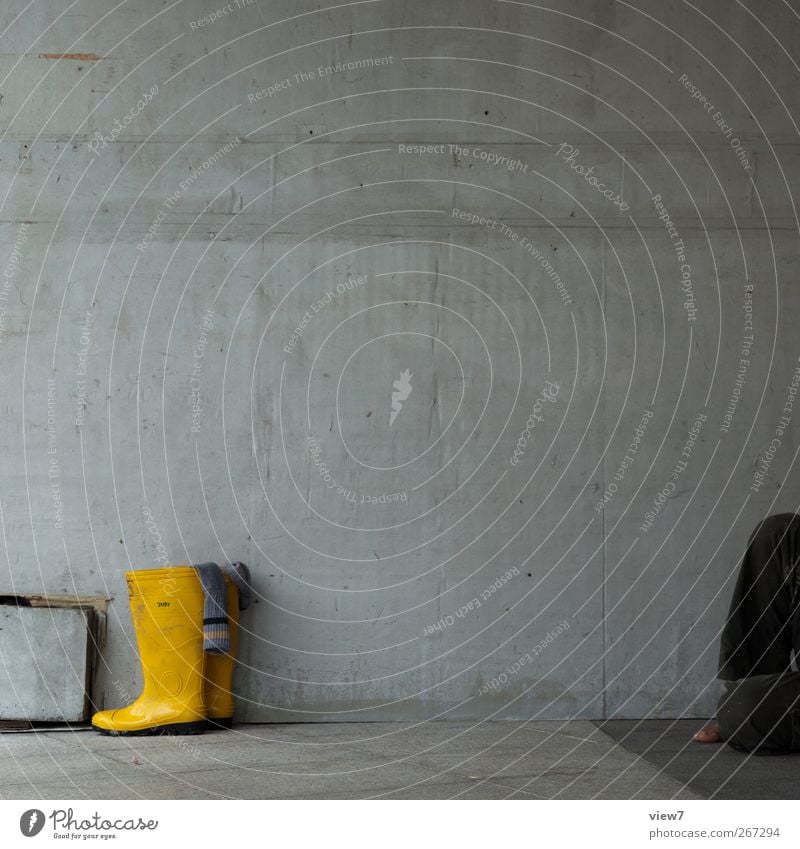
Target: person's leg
{"x": 761, "y": 627}
{"x": 757, "y": 637}
{"x": 761, "y": 714}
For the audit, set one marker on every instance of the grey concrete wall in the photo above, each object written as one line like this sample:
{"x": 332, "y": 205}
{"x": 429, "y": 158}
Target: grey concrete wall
{"x": 178, "y": 193}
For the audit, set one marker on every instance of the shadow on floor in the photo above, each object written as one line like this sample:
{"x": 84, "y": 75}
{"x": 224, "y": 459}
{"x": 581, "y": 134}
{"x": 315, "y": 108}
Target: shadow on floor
{"x": 712, "y": 770}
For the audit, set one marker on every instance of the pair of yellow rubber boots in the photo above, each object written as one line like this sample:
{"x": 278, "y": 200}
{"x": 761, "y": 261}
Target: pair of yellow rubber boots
{"x": 186, "y": 690}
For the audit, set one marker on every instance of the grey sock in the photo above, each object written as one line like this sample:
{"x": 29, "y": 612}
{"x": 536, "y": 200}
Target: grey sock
{"x": 216, "y": 631}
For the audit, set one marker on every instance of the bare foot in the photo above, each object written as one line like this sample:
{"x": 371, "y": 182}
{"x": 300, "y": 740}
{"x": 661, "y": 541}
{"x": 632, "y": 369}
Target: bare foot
{"x": 708, "y": 734}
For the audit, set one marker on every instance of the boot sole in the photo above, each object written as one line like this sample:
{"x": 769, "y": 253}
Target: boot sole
{"x": 225, "y": 723}
{"x": 176, "y": 729}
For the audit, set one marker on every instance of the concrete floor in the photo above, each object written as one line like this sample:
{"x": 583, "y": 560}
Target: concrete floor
{"x": 433, "y": 760}
{"x": 717, "y": 772}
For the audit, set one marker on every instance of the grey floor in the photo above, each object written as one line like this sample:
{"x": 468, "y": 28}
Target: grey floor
{"x": 711, "y": 771}
{"x": 433, "y": 760}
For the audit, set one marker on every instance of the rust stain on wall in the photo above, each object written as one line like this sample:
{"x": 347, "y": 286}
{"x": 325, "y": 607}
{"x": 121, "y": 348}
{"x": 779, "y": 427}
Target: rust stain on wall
{"x": 82, "y": 57}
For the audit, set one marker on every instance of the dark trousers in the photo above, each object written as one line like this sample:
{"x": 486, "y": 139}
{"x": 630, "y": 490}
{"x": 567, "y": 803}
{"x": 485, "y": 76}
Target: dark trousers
{"x": 759, "y": 711}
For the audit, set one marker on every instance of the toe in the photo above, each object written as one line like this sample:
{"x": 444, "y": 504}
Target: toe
{"x": 709, "y": 734}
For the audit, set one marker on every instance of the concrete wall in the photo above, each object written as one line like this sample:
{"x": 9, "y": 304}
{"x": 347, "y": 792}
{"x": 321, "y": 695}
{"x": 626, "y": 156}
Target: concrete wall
{"x": 178, "y": 193}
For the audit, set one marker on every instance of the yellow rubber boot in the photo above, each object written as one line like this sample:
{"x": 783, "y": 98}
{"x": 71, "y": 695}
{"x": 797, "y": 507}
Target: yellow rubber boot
{"x": 219, "y": 668}
{"x": 167, "y": 611}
